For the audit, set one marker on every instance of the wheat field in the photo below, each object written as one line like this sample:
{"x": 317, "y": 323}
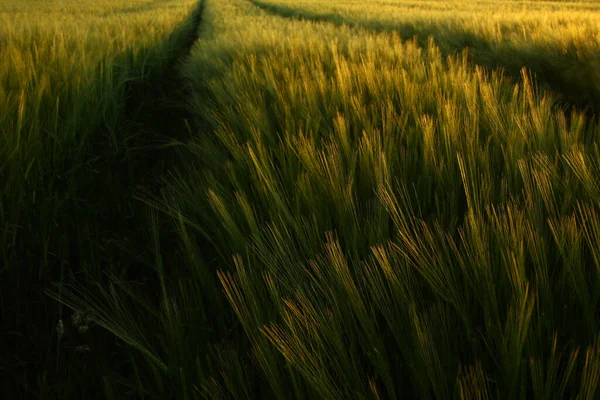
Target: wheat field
{"x": 356, "y": 200}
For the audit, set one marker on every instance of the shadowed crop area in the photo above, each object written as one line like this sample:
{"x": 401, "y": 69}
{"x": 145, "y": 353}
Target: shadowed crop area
{"x": 337, "y": 200}
{"x": 78, "y": 80}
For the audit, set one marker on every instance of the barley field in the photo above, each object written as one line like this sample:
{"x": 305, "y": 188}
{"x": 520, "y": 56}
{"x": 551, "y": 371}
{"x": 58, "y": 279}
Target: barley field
{"x": 378, "y": 199}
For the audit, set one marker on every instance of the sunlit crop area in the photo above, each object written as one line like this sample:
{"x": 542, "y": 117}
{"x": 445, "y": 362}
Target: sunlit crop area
{"x": 558, "y": 41}
{"x": 371, "y": 200}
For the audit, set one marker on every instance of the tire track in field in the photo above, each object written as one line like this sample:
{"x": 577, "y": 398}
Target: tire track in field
{"x": 158, "y": 116}
{"x": 155, "y": 118}
{"x": 157, "y": 103}
{"x": 570, "y": 89}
